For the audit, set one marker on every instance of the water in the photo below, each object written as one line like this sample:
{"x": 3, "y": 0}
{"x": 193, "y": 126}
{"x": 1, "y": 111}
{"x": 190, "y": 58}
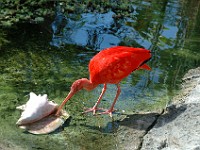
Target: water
{"x": 35, "y": 59}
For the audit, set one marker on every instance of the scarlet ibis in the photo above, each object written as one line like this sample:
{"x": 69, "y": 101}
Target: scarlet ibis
{"x": 110, "y": 66}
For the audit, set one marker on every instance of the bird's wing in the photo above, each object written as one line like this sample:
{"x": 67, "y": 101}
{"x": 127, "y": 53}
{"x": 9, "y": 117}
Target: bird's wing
{"x": 112, "y": 65}
{"x": 145, "y": 66}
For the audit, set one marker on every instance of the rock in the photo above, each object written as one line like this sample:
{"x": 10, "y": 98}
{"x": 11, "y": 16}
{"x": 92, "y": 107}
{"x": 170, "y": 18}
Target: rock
{"x": 179, "y": 127}
{"x": 132, "y": 129}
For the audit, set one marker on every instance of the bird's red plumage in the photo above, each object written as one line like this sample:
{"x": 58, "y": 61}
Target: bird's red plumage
{"x": 110, "y": 66}
{"x": 113, "y": 64}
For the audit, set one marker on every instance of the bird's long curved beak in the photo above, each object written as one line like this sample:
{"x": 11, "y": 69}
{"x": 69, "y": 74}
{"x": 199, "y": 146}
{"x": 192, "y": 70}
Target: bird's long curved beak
{"x": 71, "y": 93}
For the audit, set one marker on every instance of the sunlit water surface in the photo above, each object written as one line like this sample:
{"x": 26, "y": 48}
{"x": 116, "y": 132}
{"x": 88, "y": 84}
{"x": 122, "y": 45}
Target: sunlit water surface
{"x": 44, "y": 61}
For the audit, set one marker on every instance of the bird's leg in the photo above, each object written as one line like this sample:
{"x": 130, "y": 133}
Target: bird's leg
{"x": 109, "y": 111}
{"x": 94, "y": 108}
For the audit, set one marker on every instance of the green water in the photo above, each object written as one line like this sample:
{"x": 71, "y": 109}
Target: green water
{"x": 170, "y": 29}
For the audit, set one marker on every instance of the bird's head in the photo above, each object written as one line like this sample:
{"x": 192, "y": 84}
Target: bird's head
{"x": 83, "y": 83}
{"x": 77, "y": 86}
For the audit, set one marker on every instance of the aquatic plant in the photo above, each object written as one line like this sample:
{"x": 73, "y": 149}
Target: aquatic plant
{"x": 3, "y": 39}
{"x": 36, "y": 11}
{"x": 32, "y": 11}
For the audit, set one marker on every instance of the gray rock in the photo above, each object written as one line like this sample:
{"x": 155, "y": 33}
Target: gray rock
{"x": 132, "y": 129}
{"x": 179, "y": 127}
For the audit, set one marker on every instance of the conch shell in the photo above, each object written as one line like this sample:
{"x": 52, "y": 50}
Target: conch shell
{"x": 38, "y": 115}
{"x": 35, "y": 109}
{"x": 46, "y": 125}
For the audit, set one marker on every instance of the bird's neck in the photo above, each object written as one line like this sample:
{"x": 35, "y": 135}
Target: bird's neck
{"x": 87, "y": 84}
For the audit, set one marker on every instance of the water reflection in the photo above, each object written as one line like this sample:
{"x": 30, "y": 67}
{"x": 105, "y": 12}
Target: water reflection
{"x": 161, "y": 27}
{"x": 92, "y": 30}
{"x": 150, "y": 24}
{"x": 156, "y": 26}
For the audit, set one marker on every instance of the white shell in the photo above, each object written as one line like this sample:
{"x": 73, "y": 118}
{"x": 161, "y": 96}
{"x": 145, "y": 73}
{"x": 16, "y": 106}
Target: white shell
{"x": 38, "y": 115}
{"x": 35, "y": 109}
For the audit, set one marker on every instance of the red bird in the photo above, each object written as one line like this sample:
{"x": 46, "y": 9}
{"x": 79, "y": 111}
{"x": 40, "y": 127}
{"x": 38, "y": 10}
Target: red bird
{"x": 110, "y": 66}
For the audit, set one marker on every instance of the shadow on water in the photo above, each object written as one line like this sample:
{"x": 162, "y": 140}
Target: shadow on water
{"x": 144, "y": 121}
{"x": 141, "y": 121}
{"x": 34, "y": 59}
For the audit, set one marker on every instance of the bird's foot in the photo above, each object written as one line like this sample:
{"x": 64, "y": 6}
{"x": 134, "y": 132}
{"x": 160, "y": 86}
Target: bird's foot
{"x": 109, "y": 112}
{"x": 58, "y": 112}
{"x": 93, "y": 109}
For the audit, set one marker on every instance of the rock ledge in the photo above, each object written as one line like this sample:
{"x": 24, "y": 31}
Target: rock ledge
{"x": 179, "y": 127}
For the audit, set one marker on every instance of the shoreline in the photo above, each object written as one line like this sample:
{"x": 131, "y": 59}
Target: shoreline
{"x": 176, "y": 127}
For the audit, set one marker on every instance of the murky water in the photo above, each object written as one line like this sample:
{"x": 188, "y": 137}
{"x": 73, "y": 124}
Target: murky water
{"x": 35, "y": 59}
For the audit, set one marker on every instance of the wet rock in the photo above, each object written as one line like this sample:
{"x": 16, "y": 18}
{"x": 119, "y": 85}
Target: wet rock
{"x": 132, "y": 129}
{"x": 178, "y": 128}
